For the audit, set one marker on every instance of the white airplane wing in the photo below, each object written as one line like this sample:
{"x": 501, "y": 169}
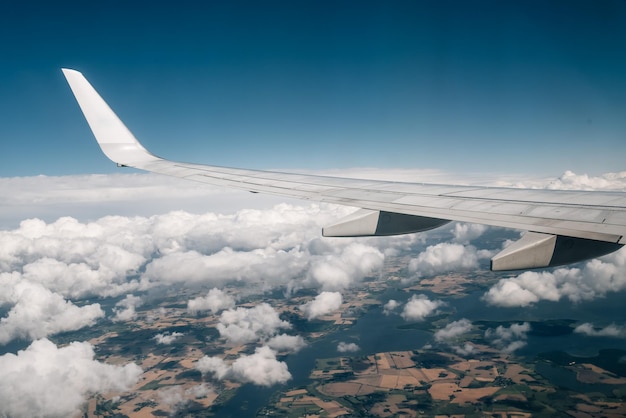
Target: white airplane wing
{"x": 563, "y": 226}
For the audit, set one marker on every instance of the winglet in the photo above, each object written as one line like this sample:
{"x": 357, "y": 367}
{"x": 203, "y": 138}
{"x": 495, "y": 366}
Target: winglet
{"x": 114, "y": 138}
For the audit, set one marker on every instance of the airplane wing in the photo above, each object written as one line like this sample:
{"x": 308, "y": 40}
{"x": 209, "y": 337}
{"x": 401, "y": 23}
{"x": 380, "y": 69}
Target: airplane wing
{"x": 563, "y": 226}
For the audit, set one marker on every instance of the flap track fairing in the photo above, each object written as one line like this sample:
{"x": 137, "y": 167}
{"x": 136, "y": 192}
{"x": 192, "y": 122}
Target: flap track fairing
{"x": 368, "y": 223}
{"x": 537, "y": 250}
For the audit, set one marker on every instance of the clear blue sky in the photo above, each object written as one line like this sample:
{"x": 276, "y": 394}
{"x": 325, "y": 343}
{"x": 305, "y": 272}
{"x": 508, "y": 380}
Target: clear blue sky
{"x": 533, "y": 87}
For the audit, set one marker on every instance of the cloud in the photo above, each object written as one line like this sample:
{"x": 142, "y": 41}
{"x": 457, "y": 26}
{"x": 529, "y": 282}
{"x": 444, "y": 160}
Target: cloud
{"x": 261, "y": 368}
{"x": 199, "y": 391}
{"x": 214, "y": 365}
{"x": 224, "y": 266}
{"x": 37, "y": 312}
{"x": 454, "y": 329}
{"x": 509, "y": 339}
{"x": 612, "y": 330}
{"x": 464, "y": 232}
{"x": 46, "y": 381}
{"x": 173, "y": 397}
{"x": 445, "y": 257}
{"x": 125, "y": 309}
{"x": 390, "y": 306}
{"x": 466, "y": 349}
{"x": 246, "y": 325}
{"x": 571, "y": 181}
{"x": 324, "y": 303}
{"x": 597, "y": 278}
{"x": 419, "y": 307}
{"x": 215, "y": 301}
{"x": 340, "y": 271}
{"x": 286, "y": 343}
{"x": 105, "y": 257}
{"x": 167, "y": 338}
{"x": 344, "y": 347}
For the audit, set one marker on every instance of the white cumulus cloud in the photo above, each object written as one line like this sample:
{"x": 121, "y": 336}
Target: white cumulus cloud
{"x": 215, "y": 301}
{"x": 340, "y": 271}
{"x": 509, "y": 339}
{"x": 47, "y": 381}
{"x": 445, "y": 257}
{"x": 286, "y": 343}
{"x": 344, "y": 347}
{"x": 419, "y": 307}
{"x": 37, "y": 312}
{"x": 612, "y": 330}
{"x": 126, "y": 309}
{"x": 261, "y": 368}
{"x": 167, "y": 338}
{"x": 390, "y": 306}
{"x": 324, "y": 303}
{"x": 464, "y": 232}
{"x": 594, "y": 280}
{"x": 246, "y": 325}
{"x": 454, "y": 329}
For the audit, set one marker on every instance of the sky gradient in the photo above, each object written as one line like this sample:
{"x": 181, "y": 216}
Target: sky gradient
{"x": 527, "y": 87}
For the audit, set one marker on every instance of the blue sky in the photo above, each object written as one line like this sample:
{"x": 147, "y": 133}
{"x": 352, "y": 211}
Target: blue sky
{"x": 529, "y": 87}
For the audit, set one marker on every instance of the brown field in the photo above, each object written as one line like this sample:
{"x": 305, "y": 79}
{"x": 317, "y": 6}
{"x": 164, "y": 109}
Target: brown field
{"x": 339, "y": 389}
{"x": 402, "y": 359}
{"x": 589, "y": 373}
{"x": 443, "y": 391}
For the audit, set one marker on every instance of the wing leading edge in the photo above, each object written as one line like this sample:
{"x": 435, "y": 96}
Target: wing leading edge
{"x": 564, "y": 226}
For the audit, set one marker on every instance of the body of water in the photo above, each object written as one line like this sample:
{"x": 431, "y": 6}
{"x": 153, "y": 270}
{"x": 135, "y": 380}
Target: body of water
{"x": 375, "y": 332}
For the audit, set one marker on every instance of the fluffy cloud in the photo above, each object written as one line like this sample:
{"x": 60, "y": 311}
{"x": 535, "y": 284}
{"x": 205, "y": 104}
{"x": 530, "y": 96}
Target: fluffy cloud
{"x": 173, "y": 397}
{"x": 340, "y": 271}
{"x": 419, "y": 307}
{"x": 37, "y": 312}
{"x": 444, "y": 257}
{"x": 324, "y": 303}
{"x": 246, "y": 325}
{"x": 167, "y": 338}
{"x": 176, "y": 397}
{"x": 509, "y": 339}
{"x": 225, "y": 265}
{"x": 572, "y": 181}
{"x": 261, "y": 368}
{"x": 47, "y": 381}
{"x": 344, "y": 347}
{"x": 464, "y": 233}
{"x": 390, "y": 306}
{"x": 453, "y": 330}
{"x": 215, "y": 301}
{"x": 105, "y": 257}
{"x": 595, "y": 279}
{"x": 612, "y": 330}
{"x": 75, "y": 259}
{"x": 286, "y": 343}
{"x": 466, "y": 349}
{"x": 125, "y": 309}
